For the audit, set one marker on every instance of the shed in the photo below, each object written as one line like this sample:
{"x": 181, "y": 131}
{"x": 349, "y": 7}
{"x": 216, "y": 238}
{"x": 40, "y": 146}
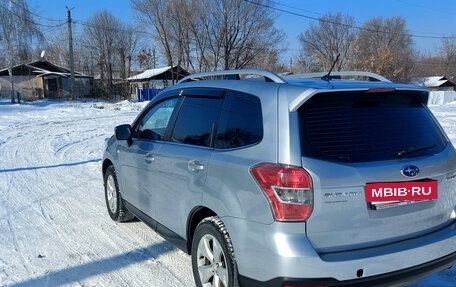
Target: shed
{"x": 437, "y": 83}
{"x": 442, "y": 90}
{"x": 148, "y": 83}
{"x": 43, "y": 79}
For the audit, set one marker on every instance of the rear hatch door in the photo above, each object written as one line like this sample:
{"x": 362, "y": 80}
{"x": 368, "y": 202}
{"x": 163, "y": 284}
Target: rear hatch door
{"x": 381, "y": 143}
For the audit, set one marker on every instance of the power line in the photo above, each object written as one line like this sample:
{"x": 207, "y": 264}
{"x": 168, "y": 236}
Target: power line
{"x": 427, "y": 8}
{"x": 112, "y": 29}
{"x": 64, "y": 22}
{"x": 39, "y": 16}
{"x": 358, "y": 23}
{"x": 343, "y": 24}
{"x": 27, "y": 19}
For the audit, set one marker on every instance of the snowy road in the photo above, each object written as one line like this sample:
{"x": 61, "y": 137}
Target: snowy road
{"x": 54, "y": 228}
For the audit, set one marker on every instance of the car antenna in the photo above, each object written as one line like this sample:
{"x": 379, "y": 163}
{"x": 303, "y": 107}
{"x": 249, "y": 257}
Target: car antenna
{"x": 327, "y": 77}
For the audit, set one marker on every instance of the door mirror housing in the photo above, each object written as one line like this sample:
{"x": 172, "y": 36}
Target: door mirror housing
{"x": 123, "y": 132}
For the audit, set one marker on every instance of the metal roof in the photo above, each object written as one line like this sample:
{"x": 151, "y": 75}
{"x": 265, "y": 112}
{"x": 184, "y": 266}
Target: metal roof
{"x": 437, "y": 81}
{"x": 155, "y": 73}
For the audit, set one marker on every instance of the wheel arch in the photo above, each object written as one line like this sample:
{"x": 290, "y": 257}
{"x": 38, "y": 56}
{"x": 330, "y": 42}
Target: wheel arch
{"x": 106, "y": 163}
{"x": 195, "y": 217}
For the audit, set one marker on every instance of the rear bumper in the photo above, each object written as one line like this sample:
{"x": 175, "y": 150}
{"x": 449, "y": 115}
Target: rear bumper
{"x": 399, "y": 278}
{"x": 280, "y": 255}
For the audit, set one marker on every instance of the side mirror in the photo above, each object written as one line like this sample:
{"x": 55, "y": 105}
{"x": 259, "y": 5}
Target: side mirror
{"x": 123, "y": 132}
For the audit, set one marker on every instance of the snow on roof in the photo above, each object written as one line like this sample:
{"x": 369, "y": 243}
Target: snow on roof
{"x": 147, "y": 74}
{"x": 67, "y": 71}
{"x": 42, "y": 73}
{"x": 436, "y": 81}
{"x": 54, "y": 69}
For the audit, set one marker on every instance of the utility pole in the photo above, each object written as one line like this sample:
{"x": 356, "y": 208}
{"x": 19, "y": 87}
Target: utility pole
{"x": 153, "y": 55}
{"x": 291, "y": 65}
{"x": 10, "y": 57}
{"x": 70, "y": 41}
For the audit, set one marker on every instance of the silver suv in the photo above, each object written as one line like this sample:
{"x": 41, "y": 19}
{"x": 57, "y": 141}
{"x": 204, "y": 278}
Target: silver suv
{"x": 313, "y": 180}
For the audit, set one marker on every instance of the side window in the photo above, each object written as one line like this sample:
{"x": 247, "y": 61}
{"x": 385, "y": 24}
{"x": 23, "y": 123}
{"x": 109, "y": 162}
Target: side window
{"x": 241, "y": 121}
{"x": 154, "y": 124}
{"x": 196, "y": 120}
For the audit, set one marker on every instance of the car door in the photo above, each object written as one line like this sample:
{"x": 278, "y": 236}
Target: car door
{"x": 138, "y": 156}
{"x": 184, "y": 158}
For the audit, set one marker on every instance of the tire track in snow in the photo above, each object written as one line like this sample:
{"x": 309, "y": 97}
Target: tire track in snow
{"x": 57, "y": 194}
{"x": 17, "y": 248}
{"x": 10, "y": 227}
{"x": 78, "y": 241}
{"x": 18, "y": 226}
{"x": 13, "y": 151}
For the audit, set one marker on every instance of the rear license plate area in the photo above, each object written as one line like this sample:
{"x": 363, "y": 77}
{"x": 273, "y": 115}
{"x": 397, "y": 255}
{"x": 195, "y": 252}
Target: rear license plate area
{"x": 381, "y": 195}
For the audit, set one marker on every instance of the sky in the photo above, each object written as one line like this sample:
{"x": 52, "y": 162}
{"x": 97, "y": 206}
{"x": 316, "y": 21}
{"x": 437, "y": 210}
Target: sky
{"x": 427, "y": 20}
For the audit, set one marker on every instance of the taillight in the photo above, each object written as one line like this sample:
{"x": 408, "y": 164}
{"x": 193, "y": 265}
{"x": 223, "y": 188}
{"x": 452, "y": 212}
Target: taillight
{"x": 288, "y": 189}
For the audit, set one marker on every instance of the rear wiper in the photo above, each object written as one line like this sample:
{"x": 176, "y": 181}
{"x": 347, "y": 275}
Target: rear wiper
{"x": 414, "y": 149}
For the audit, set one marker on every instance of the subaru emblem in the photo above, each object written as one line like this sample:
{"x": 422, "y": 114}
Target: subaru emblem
{"x": 410, "y": 171}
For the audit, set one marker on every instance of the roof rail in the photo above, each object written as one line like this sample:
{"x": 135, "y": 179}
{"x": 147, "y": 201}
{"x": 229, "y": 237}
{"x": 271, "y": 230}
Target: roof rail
{"x": 336, "y": 75}
{"x": 234, "y": 75}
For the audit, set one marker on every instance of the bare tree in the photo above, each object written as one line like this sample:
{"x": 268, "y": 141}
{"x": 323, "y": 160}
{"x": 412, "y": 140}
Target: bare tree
{"x": 428, "y": 65}
{"x": 240, "y": 33}
{"x": 18, "y": 29}
{"x": 147, "y": 58}
{"x": 111, "y": 45}
{"x": 440, "y": 63}
{"x": 385, "y": 47}
{"x": 207, "y": 48}
{"x": 270, "y": 60}
{"x": 322, "y": 42}
{"x": 57, "y": 47}
{"x": 57, "y": 51}
{"x": 155, "y": 14}
{"x": 100, "y": 39}
{"x": 171, "y": 24}
{"x": 448, "y": 56}
{"x": 127, "y": 43}
{"x": 211, "y": 34}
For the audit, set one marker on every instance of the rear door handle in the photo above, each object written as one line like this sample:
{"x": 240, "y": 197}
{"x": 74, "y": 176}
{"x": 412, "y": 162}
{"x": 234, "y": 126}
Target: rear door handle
{"x": 195, "y": 166}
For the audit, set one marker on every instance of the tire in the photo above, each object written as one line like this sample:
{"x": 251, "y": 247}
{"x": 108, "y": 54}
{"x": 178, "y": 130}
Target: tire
{"x": 114, "y": 203}
{"x": 213, "y": 259}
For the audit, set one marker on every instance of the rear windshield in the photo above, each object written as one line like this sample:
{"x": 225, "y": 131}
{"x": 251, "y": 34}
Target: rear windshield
{"x": 362, "y": 126}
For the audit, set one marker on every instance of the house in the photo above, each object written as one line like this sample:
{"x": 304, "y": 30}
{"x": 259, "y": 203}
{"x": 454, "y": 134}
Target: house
{"x": 441, "y": 89}
{"x": 43, "y": 79}
{"x": 148, "y": 83}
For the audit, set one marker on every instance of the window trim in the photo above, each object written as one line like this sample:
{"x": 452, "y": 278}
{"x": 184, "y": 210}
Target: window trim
{"x": 149, "y": 108}
{"x": 182, "y": 95}
{"x": 415, "y": 98}
{"x": 197, "y": 93}
{"x": 231, "y": 95}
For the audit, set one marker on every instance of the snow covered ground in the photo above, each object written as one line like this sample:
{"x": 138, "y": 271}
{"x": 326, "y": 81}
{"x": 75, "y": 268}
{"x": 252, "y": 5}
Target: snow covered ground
{"x": 54, "y": 228}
